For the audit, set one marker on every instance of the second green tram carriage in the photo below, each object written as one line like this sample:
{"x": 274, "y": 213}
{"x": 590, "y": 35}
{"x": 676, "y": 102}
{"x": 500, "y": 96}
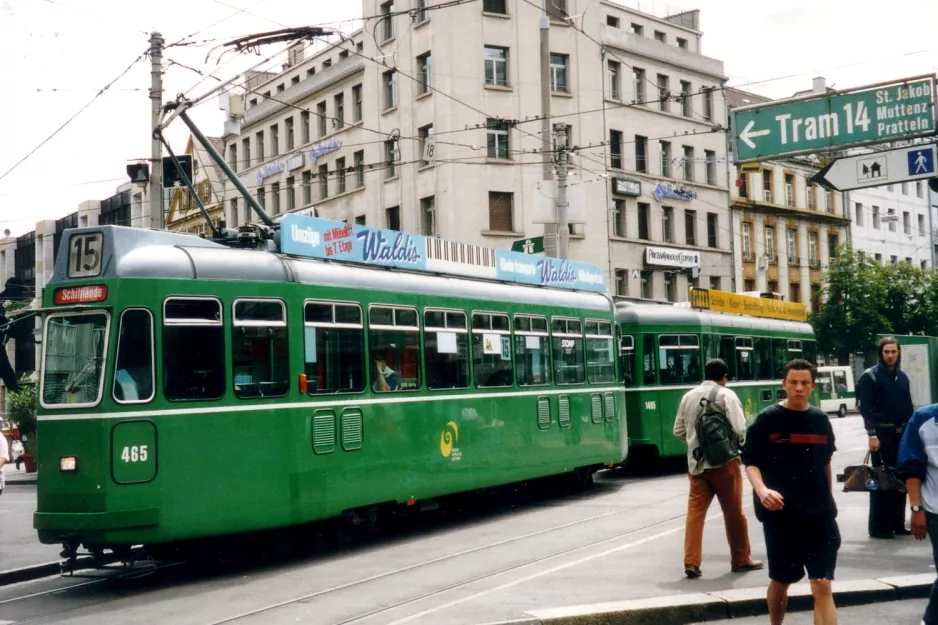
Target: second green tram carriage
{"x": 665, "y": 348}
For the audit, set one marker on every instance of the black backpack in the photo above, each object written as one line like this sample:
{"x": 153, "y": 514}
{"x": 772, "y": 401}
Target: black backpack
{"x": 718, "y": 442}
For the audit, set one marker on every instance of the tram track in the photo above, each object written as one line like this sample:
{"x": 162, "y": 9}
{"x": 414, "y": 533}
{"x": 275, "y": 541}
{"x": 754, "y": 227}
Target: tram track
{"x": 369, "y": 579}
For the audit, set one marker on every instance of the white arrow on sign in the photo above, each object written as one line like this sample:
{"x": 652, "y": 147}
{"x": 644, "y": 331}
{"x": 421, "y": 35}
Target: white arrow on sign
{"x": 747, "y": 135}
{"x": 876, "y": 169}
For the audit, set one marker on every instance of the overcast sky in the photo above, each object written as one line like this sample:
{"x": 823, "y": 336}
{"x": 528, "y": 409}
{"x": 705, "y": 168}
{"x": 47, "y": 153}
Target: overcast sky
{"x": 57, "y": 54}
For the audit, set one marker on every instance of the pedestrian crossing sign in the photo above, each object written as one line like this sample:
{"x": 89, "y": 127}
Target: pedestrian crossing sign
{"x": 921, "y": 161}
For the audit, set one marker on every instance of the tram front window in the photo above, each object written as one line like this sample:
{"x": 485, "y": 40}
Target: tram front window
{"x": 73, "y": 359}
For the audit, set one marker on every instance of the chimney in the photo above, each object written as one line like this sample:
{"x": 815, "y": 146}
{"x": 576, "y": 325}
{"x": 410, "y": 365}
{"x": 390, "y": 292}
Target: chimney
{"x": 819, "y": 85}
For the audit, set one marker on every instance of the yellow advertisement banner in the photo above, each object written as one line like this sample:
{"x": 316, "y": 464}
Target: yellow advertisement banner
{"x": 721, "y": 301}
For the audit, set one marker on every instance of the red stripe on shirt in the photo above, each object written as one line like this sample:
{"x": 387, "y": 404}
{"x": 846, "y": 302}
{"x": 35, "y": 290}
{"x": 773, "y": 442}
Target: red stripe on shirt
{"x": 807, "y": 439}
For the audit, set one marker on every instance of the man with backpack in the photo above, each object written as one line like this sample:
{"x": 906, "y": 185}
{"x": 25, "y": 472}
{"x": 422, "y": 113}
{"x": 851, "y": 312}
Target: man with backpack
{"x": 710, "y": 420}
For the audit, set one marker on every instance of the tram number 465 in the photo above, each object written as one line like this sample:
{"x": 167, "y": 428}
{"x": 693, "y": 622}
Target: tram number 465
{"x": 134, "y": 454}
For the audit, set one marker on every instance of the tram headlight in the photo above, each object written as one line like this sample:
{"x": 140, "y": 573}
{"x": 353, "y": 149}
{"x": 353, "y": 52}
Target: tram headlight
{"x": 68, "y": 463}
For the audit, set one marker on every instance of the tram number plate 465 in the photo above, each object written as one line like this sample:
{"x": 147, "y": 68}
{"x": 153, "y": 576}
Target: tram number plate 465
{"x": 84, "y": 255}
{"x": 134, "y": 453}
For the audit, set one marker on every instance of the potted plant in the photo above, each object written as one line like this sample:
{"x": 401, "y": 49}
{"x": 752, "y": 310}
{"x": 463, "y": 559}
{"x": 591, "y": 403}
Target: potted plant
{"x": 21, "y": 410}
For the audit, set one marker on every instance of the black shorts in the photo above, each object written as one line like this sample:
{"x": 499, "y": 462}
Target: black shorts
{"x": 798, "y": 543}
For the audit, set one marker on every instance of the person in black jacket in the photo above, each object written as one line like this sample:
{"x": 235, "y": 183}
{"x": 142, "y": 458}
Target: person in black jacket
{"x": 885, "y": 402}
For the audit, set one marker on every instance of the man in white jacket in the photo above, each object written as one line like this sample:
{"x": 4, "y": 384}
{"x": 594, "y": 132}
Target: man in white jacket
{"x": 724, "y": 481}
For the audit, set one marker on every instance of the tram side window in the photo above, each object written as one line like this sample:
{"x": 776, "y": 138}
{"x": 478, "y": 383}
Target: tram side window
{"x": 745, "y": 359}
{"x": 446, "y": 349}
{"x": 679, "y": 356}
{"x": 193, "y": 349}
{"x": 532, "y": 351}
{"x": 628, "y": 361}
{"x": 491, "y": 350}
{"x": 133, "y": 371}
{"x": 600, "y": 357}
{"x": 649, "y": 364}
{"x": 809, "y": 351}
{"x": 72, "y": 372}
{"x": 567, "y": 348}
{"x": 394, "y": 346}
{"x": 728, "y": 354}
{"x": 780, "y": 357}
{"x": 261, "y": 366}
{"x": 764, "y": 358}
{"x": 334, "y": 337}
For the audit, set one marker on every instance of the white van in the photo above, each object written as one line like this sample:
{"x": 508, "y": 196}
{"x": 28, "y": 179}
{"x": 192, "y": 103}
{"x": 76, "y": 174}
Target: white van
{"x": 836, "y": 390}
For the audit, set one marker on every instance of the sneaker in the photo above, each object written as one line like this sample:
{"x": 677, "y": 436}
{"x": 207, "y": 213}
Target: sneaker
{"x": 691, "y": 571}
{"x": 752, "y": 565}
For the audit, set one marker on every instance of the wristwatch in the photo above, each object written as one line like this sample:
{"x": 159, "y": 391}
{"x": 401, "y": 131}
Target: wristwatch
{"x": 916, "y": 508}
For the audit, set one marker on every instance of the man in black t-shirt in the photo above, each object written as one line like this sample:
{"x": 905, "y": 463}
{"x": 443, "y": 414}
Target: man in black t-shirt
{"x": 787, "y": 456}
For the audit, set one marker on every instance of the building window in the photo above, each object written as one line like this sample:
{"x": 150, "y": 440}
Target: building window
{"x": 715, "y": 283}
{"x": 304, "y": 122}
{"x": 767, "y": 185}
{"x": 357, "y": 101}
{"x": 288, "y": 129}
{"x": 392, "y": 218}
{"x": 274, "y": 140}
{"x": 307, "y": 187}
{"x": 641, "y": 154}
{"x": 638, "y": 29}
{"x": 426, "y": 147}
{"x": 359, "y": 168}
{"x": 667, "y": 223}
{"x": 233, "y": 156}
{"x": 643, "y": 217}
{"x": 422, "y": 14}
{"x": 321, "y": 112}
{"x": 638, "y": 85}
{"x": 558, "y": 73}
{"x": 424, "y": 72}
{"x": 262, "y": 197}
{"x": 291, "y": 193}
{"x": 557, "y": 9}
{"x": 323, "y": 182}
{"x": 670, "y": 290}
{"x": 829, "y": 201}
{"x": 235, "y": 218}
{"x": 713, "y": 239}
{"x": 688, "y": 163}
{"x": 495, "y": 6}
{"x": 390, "y": 90}
{"x": 339, "y": 103}
{"x": 711, "y": 157}
{"x": 921, "y": 225}
{"x": 812, "y": 248}
{"x": 876, "y": 220}
{"x": 613, "y": 72}
{"x": 905, "y": 188}
{"x": 812, "y": 196}
{"x": 792, "y": 246}
{"x": 894, "y": 260}
{"x": 660, "y": 36}
{"x": 615, "y": 149}
{"x": 497, "y": 138}
{"x": 815, "y": 298}
{"x": 648, "y": 285}
{"x": 340, "y": 173}
{"x": 769, "y": 232}
{"x": 664, "y": 148}
{"x": 664, "y": 89}
{"x": 387, "y": 21}
{"x": 390, "y": 158}
{"x": 428, "y": 215}
{"x": 708, "y": 104}
{"x": 686, "y": 101}
{"x": 682, "y": 43}
{"x": 496, "y": 66}
{"x": 344, "y": 53}
{"x": 790, "y": 189}
{"x": 919, "y": 190}
{"x": 749, "y": 285}
{"x": 500, "y": 212}
{"x": 259, "y": 141}
{"x": 327, "y": 64}
{"x": 360, "y": 220}
{"x": 892, "y": 223}
{"x": 612, "y": 20}
{"x": 690, "y": 227}
{"x": 833, "y": 242}
{"x": 618, "y": 218}
{"x": 747, "y": 240}
{"x": 772, "y": 286}
{"x": 906, "y": 222}
{"x": 622, "y": 282}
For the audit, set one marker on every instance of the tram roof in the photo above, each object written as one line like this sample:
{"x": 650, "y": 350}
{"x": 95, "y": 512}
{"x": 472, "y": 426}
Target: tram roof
{"x": 143, "y": 254}
{"x": 638, "y": 313}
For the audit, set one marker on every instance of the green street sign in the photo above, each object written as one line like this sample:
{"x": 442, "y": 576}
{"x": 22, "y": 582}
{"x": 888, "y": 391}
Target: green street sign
{"x": 534, "y": 245}
{"x": 874, "y": 114}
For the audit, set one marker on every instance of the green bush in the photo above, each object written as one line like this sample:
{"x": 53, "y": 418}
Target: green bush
{"x": 21, "y": 410}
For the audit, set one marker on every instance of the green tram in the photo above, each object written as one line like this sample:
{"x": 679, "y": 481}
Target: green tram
{"x": 189, "y": 389}
{"x": 665, "y": 347}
